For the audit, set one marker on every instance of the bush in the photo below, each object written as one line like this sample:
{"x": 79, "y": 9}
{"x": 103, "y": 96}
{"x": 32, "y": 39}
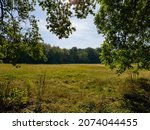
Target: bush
{"x": 12, "y": 99}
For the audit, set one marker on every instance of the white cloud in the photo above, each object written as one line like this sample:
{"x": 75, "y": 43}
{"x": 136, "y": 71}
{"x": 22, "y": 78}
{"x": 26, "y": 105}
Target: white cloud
{"x": 42, "y": 25}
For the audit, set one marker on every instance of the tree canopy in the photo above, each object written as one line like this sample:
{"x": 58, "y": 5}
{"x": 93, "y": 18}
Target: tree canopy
{"x": 59, "y": 13}
{"x": 19, "y": 30}
{"x": 125, "y": 25}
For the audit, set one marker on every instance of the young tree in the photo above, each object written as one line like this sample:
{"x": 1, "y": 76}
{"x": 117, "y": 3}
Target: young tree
{"x": 125, "y": 25}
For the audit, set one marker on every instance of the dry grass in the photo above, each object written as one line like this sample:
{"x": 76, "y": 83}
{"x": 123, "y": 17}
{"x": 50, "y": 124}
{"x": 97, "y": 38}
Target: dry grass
{"x": 70, "y": 88}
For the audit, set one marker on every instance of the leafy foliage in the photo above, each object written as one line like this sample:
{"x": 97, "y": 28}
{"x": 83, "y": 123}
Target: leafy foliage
{"x": 59, "y": 13}
{"x": 18, "y": 30}
{"x": 125, "y": 25}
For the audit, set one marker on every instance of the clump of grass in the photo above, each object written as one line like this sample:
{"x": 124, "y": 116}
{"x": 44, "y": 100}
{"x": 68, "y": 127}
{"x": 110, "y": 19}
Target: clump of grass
{"x": 41, "y": 87}
{"x": 30, "y": 88}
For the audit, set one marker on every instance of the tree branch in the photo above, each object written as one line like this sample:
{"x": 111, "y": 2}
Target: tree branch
{"x": 2, "y": 11}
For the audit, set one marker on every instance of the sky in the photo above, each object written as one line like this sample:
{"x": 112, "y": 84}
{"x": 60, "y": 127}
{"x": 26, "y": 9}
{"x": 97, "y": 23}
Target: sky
{"x": 85, "y": 35}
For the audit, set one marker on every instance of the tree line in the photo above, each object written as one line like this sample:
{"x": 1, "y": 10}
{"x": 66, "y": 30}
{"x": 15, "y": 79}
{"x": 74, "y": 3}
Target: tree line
{"x": 57, "y": 55}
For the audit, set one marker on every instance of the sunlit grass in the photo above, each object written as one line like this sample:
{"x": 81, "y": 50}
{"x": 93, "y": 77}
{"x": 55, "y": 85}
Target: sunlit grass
{"x": 66, "y": 88}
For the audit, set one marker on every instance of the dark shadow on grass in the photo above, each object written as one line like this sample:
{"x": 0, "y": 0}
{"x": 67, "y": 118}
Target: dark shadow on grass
{"x": 11, "y": 108}
{"x": 137, "y": 98}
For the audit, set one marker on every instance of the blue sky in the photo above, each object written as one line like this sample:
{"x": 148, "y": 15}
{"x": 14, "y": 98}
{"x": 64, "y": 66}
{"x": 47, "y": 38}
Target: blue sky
{"x": 85, "y": 36}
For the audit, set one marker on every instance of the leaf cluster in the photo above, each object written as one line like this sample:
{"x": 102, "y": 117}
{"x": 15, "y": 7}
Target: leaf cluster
{"x": 125, "y": 25}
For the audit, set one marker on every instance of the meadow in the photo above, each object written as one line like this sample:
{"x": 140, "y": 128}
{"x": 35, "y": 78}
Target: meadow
{"x": 72, "y": 88}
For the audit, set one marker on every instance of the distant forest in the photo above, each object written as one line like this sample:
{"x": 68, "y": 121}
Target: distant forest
{"x": 57, "y": 55}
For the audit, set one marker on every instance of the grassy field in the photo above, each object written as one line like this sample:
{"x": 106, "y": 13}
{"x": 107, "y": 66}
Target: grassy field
{"x": 72, "y": 88}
